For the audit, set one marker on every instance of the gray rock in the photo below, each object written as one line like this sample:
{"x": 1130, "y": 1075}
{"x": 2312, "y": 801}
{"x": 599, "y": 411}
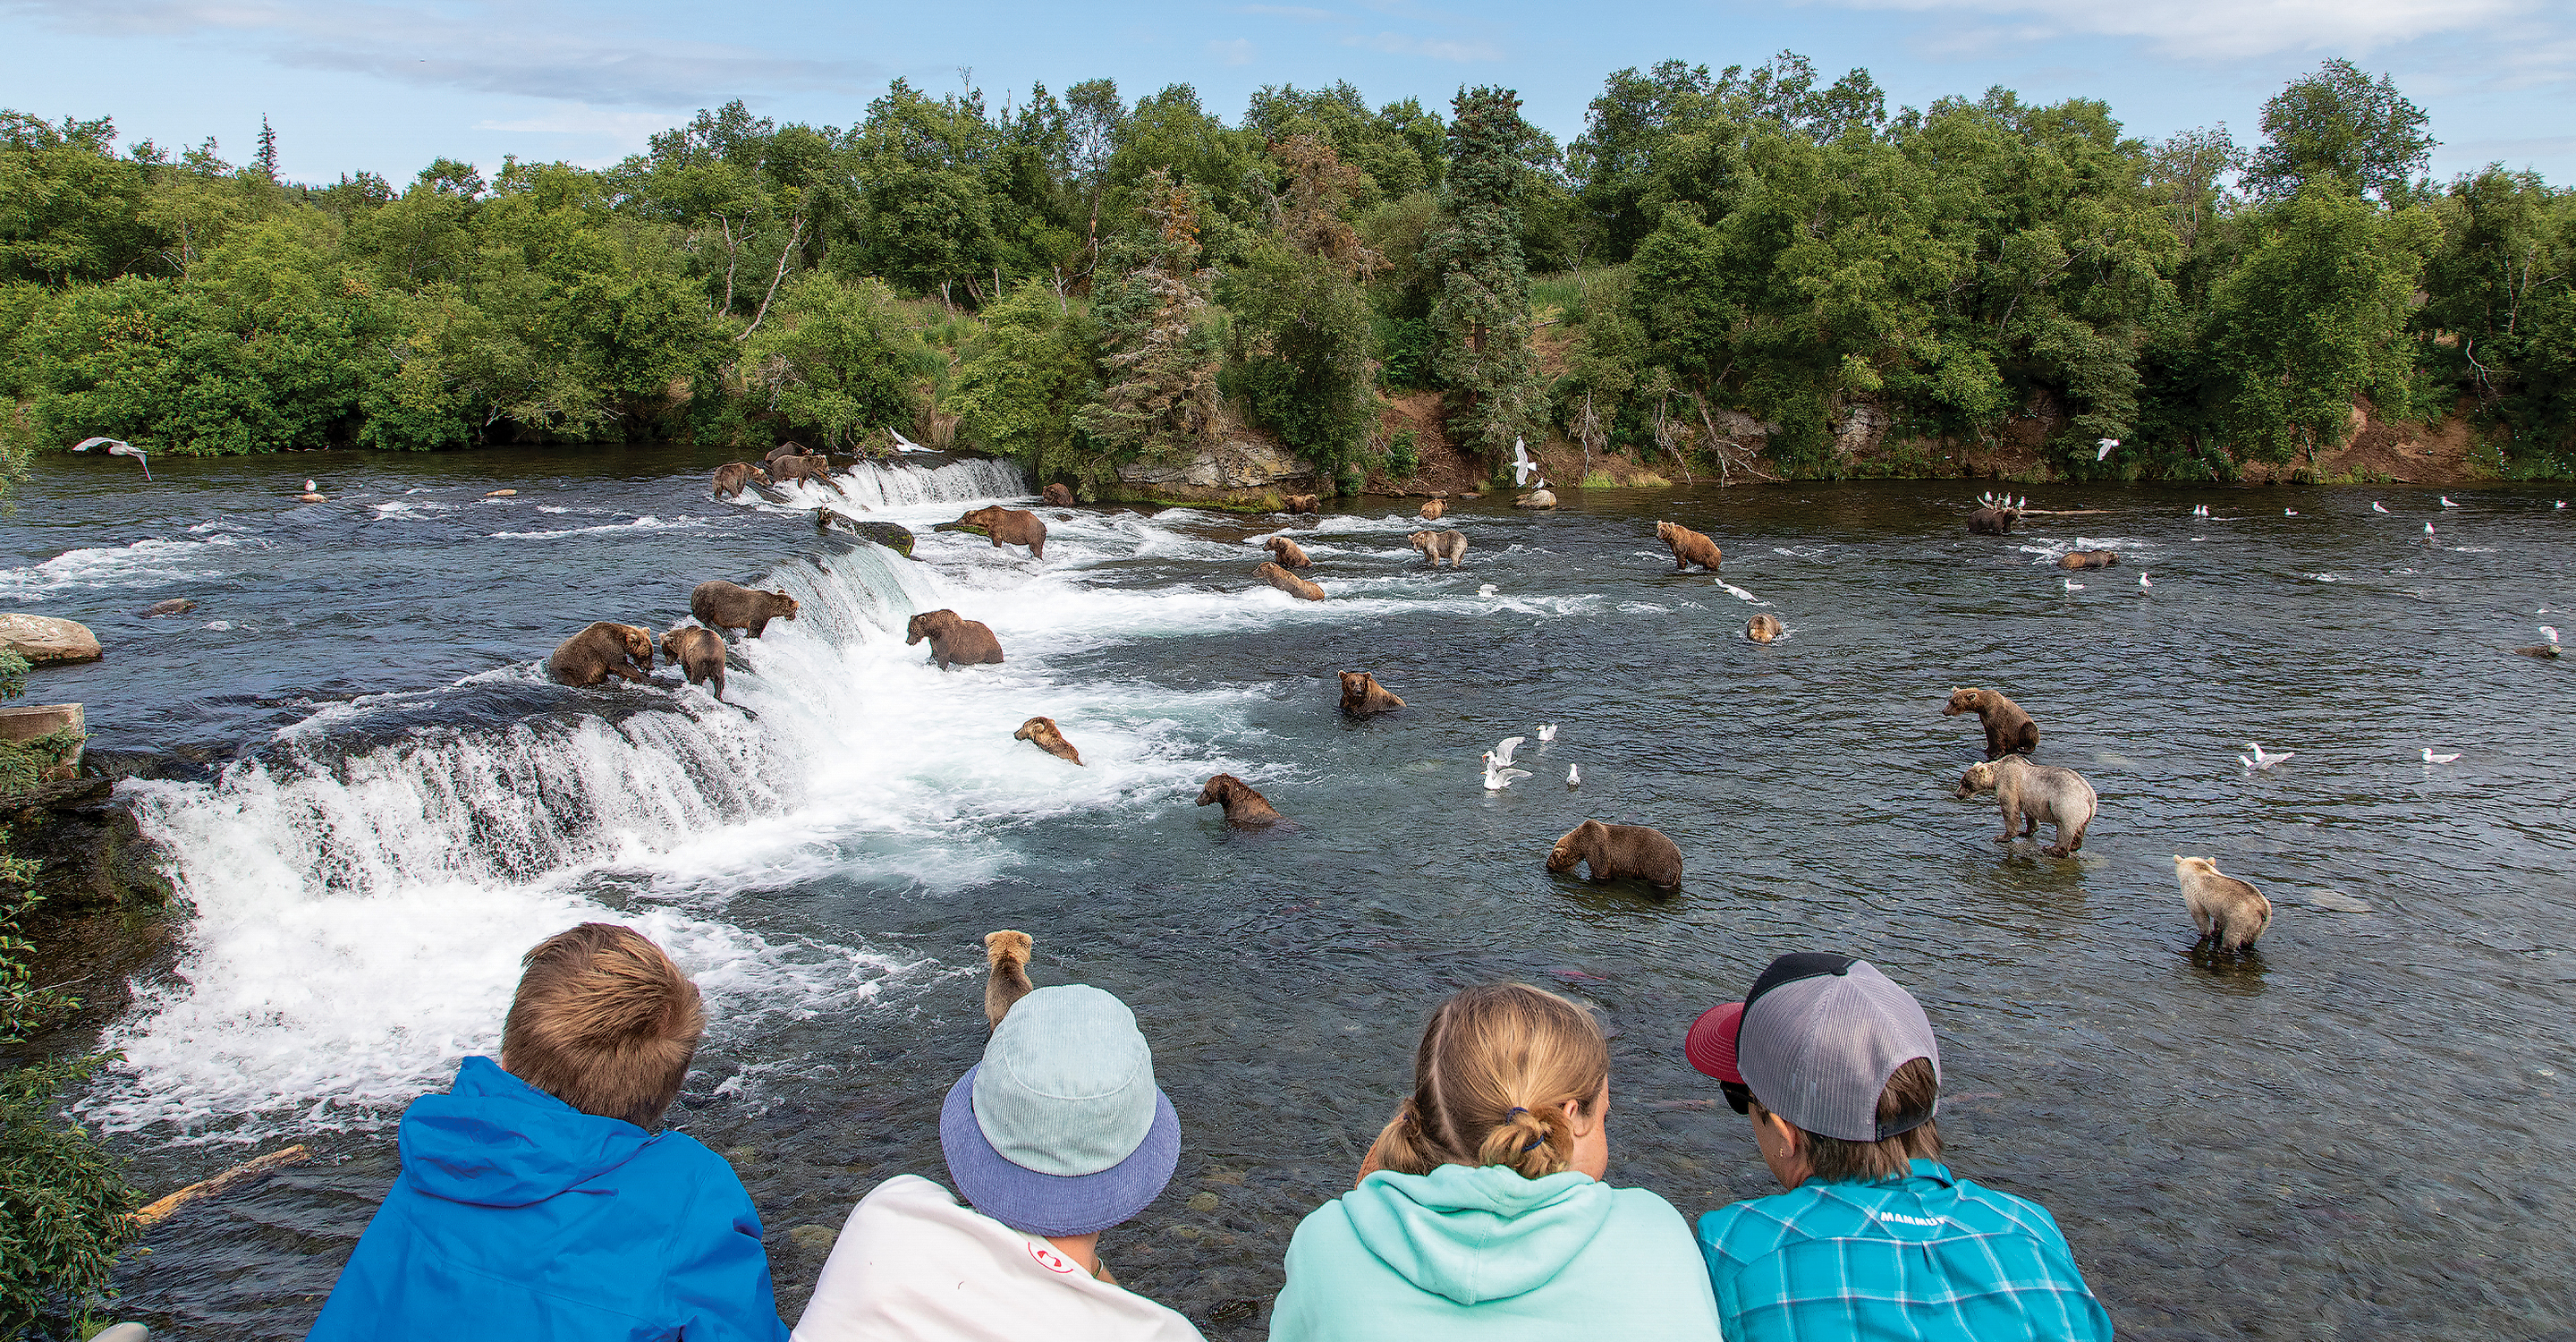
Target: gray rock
{"x": 177, "y": 605}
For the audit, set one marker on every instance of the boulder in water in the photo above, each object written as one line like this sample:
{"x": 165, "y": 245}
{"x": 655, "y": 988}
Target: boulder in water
{"x": 177, "y": 605}
{"x": 887, "y": 534}
{"x": 42, "y": 638}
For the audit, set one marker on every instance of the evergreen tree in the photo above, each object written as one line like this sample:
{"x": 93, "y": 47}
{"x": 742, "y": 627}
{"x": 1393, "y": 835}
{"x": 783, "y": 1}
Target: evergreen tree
{"x": 1480, "y": 311}
{"x": 1163, "y": 397}
{"x": 265, "y": 161}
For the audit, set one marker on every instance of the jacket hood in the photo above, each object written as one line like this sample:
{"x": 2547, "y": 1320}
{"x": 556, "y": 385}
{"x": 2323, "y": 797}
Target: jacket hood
{"x": 1476, "y": 1234}
{"x": 495, "y": 1141}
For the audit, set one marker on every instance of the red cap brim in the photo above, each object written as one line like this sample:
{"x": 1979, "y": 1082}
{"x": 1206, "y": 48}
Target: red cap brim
{"x": 1710, "y": 1045}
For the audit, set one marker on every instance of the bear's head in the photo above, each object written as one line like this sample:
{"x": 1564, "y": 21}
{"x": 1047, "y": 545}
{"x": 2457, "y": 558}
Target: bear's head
{"x": 1422, "y": 540}
{"x": 1578, "y": 841}
{"x": 781, "y": 605}
{"x": 1979, "y": 778}
{"x": 1221, "y": 789}
{"x": 928, "y": 624}
{"x": 1970, "y": 700}
{"x": 2190, "y": 867}
{"x": 1036, "y": 729}
{"x": 761, "y": 473}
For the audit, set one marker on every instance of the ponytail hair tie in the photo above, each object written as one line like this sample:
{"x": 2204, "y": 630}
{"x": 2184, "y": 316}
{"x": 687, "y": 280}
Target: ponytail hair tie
{"x": 1534, "y": 1142}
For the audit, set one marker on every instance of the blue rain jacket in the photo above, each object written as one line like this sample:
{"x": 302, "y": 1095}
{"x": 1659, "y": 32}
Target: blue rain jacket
{"x": 518, "y": 1216}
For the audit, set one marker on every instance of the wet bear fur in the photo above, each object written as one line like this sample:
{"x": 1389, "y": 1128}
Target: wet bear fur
{"x": 723, "y": 605}
{"x": 1437, "y": 546}
{"x": 700, "y": 655}
{"x": 601, "y": 650}
{"x": 1431, "y": 511}
{"x": 1007, "y": 951}
{"x": 1057, "y": 495}
{"x": 1536, "y": 498}
{"x": 1362, "y": 695}
{"x": 1010, "y": 526}
{"x": 1287, "y": 553}
{"x": 1764, "y": 627}
{"x": 1288, "y": 582}
{"x": 790, "y": 448}
{"x": 2229, "y": 913}
{"x": 954, "y": 640}
{"x": 1993, "y": 521}
{"x": 731, "y": 477}
{"x": 790, "y": 469}
{"x": 2032, "y": 794}
{"x": 1044, "y": 733}
{"x": 1243, "y": 806}
{"x": 2088, "y": 559}
{"x": 1300, "y": 503}
{"x": 2009, "y": 730}
{"x": 1688, "y": 547}
{"x": 1620, "y": 852}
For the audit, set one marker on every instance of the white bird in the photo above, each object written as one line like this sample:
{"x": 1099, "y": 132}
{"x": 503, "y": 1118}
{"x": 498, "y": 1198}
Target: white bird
{"x": 903, "y": 444}
{"x": 2104, "y": 450}
{"x": 1547, "y": 731}
{"x": 2377, "y": 507}
{"x": 2289, "y": 512}
{"x": 2022, "y": 502}
{"x": 117, "y": 447}
{"x": 2446, "y": 502}
{"x": 2559, "y": 504}
{"x": 2143, "y": 584}
{"x": 2550, "y": 633}
{"x": 1574, "y": 775}
{"x": 2263, "y": 759}
{"x": 1497, "y": 777}
{"x": 2431, "y": 758}
{"x": 1504, "y": 751}
{"x": 1485, "y": 590}
{"x": 1522, "y": 467}
{"x": 2072, "y": 586}
{"x": 310, "y": 487}
{"x": 2428, "y": 533}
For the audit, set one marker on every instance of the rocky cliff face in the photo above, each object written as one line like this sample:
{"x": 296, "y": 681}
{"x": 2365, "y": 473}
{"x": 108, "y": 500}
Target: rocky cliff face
{"x": 1237, "y": 472}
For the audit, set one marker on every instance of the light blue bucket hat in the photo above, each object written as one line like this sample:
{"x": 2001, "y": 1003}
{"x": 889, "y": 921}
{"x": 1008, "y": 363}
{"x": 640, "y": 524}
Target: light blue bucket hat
{"x": 1060, "y": 1130}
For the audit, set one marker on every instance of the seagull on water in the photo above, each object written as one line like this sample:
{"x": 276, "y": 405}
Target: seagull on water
{"x": 310, "y": 487}
{"x": 2263, "y": 759}
{"x": 2559, "y": 504}
{"x": 2431, "y": 758}
{"x": 1503, "y": 753}
{"x": 117, "y": 447}
{"x": 1574, "y": 775}
{"x": 1497, "y": 776}
{"x": 2289, "y": 512}
{"x": 2446, "y": 502}
{"x": 2072, "y": 586}
{"x": 2428, "y": 533}
{"x": 1547, "y": 731}
{"x": 2378, "y": 507}
{"x": 1485, "y": 590}
{"x": 1522, "y": 466}
{"x": 2143, "y": 584}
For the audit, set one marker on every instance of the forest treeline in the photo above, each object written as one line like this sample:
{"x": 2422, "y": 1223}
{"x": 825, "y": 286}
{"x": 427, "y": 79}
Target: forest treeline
{"x": 1081, "y": 280}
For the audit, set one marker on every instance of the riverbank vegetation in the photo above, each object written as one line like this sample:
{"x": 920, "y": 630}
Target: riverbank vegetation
{"x": 1748, "y": 272}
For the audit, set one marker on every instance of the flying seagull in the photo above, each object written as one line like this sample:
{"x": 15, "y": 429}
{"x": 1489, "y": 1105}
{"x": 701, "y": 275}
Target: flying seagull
{"x": 2263, "y": 759}
{"x": 2104, "y": 451}
{"x": 117, "y": 447}
{"x": 2431, "y": 758}
{"x": 1503, "y": 753}
{"x": 1522, "y": 467}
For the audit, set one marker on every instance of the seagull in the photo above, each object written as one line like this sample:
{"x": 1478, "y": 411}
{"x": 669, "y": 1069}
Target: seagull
{"x": 2022, "y": 502}
{"x": 2551, "y": 633}
{"x": 2431, "y": 758}
{"x": 2377, "y": 507}
{"x": 117, "y": 447}
{"x": 903, "y": 444}
{"x": 1497, "y": 777}
{"x": 2428, "y": 533}
{"x": 2262, "y": 758}
{"x": 2104, "y": 451}
{"x": 1485, "y": 590}
{"x": 2072, "y": 586}
{"x": 1503, "y": 752}
{"x": 2559, "y": 504}
{"x": 310, "y": 487}
{"x": 2446, "y": 502}
{"x": 1522, "y": 467}
{"x": 1547, "y": 731}
{"x": 2289, "y": 512}
{"x": 1574, "y": 775}
{"x": 2143, "y": 584}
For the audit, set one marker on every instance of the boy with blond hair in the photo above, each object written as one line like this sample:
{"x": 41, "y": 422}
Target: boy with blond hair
{"x": 538, "y": 1197}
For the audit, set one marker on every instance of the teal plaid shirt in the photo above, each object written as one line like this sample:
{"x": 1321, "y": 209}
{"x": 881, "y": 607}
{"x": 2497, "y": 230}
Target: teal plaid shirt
{"x": 1928, "y": 1256}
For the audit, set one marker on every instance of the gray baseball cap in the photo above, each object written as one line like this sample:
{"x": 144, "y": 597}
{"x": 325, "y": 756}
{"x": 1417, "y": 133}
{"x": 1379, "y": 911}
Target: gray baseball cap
{"x": 1820, "y": 1036}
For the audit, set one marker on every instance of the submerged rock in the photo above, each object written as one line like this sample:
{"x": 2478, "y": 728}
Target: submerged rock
{"x": 42, "y": 638}
{"x": 177, "y": 605}
{"x": 887, "y": 534}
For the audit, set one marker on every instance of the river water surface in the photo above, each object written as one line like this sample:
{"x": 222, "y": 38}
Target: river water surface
{"x": 374, "y": 802}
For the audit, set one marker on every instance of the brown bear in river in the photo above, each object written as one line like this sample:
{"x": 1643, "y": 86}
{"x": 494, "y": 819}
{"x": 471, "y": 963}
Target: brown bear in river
{"x": 790, "y": 448}
{"x": 1764, "y": 627}
{"x": 2088, "y": 559}
{"x": 1300, "y": 503}
{"x": 1362, "y": 695}
{"x": 1287, "y": 553}
{"x": 1243, "y": 806}
{"x": 954, "y": 640}
{"x": 1431, "y": 511}
{"x": 1010, "y": 526}
{"x": 1288, "y": 582}
{"x": 1620, "y": 851}
{"x": 723, "y": 605}
{"x": 700, "y": 655}
{"x": 733, "y": 475}
{"x": 602, "y": 650}
{"x": 1688, "y": 547}
{"x": 1043, "y": 732}
{"x": 2008, "y": 729}
{"x": 1057, "y": 495}
{"x": 789, "y": 470}
{"x": 1993, "y": 521}
{"x": 1007, "y": 951}
{"x": 1437, "y": 546}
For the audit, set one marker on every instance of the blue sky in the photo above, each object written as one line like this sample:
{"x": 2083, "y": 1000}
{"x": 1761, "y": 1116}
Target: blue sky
{"x": 388, "y": 85}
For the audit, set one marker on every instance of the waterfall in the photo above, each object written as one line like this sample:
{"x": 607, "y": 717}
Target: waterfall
{"x": 904, "y": 482}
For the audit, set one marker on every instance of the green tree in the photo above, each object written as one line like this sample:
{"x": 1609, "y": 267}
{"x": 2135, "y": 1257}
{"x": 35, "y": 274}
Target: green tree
{"x": 839, "y": 364}
{"x": 2500, "y": 308}
{"x": 1158, "y": 355}
{"x": 2340, "y": 127}
{"x": 1022, "y": 380}
{"x": 1300, "y": 324}
{"x": 1480, "y": 316}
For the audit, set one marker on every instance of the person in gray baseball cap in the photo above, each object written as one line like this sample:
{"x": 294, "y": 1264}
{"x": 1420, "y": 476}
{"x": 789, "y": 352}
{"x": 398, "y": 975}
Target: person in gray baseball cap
{"x": 1872, "y": 1236}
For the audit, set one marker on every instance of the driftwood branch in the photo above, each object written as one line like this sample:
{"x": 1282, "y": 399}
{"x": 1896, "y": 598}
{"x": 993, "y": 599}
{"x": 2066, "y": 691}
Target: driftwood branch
{"x": 274, "y": 1160}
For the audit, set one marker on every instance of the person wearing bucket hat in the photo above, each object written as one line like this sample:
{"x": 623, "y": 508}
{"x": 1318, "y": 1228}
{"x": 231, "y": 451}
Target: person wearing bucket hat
{"x": 1872, "y": 1236}
{"x": 1057, "y": 1135}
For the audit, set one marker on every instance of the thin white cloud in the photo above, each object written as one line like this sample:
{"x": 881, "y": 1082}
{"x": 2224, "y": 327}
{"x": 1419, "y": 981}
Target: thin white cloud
{"x": 2231, "y": 29}
{"x": 1435, "y": 48}
{"x": 1237, "y": 51}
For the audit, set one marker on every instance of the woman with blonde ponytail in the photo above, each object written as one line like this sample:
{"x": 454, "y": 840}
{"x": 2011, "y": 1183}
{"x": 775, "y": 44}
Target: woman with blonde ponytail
{"x": 1480, "y": 1212}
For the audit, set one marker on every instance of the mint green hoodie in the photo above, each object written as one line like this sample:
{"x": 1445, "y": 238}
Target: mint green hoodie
{"x": 1485, "y": 1255}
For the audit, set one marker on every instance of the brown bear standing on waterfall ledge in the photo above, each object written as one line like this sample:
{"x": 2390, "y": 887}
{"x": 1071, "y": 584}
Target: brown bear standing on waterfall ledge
{"x": 1288, "y": 582}
{"x": 723, "y": 605}
{"x": 1057, "y": 495}
{"x": 601, "y": 650}
{"x": 1362, "y": 695}
{"x": 733, "y": 475}
{"x": 700, "y": 655}
{"x": 1243, "y": 806}
{"x": 1688, "y": 547}
{"x": 1287, "y": 553}
{"x": 1043, "y": 732}
{"x": 1010, "y": 526}
{"x": 2009, "y": 730}
{"x": 954, "y": 640}
{"x": 1620, "y": 851}
{"x": 816, "y": 468}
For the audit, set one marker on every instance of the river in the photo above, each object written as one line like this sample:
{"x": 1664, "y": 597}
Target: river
{"x": 374, "y": 801}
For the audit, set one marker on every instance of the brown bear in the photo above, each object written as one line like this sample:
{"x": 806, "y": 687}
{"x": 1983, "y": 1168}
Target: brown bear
{"x": 1993, "y": 521}
{"x": 1362, "y": 695}
{"x": 1763, "y": 628}
{"x": 954, "y": 640}
{"x": 2008, "y": 729}
{"x": 1056, "y": 495}
{"x": 1243, "y": 806}
{"x": 723, "y": 605}
{"x": 2088, "y": 559}
{"x": 1431, "y": 511}
{"x": 1618, "y": 852}
{"x": 1441, "y": 546}
{"x": 1007, "y": 951}
{"x": 1043, "y": 732}
{"x": 2031, "y": 793}
{"x": 1010, "y": 526}
{"x": 789, "y": 470}
{"x": 1302, "y": 503}
{"x": 601, "y": 650}
{"x": 733, "y": 475}
{"x": 1536, "y": 498}
{"x": 790, "y": 448}
{"x": 1288, "y": 582}
{"x": 1287, "y": 553}
{"x": 1689, "y": 547}
{"x": 700, "y": 655}
{"x": 2229, "y": 913}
